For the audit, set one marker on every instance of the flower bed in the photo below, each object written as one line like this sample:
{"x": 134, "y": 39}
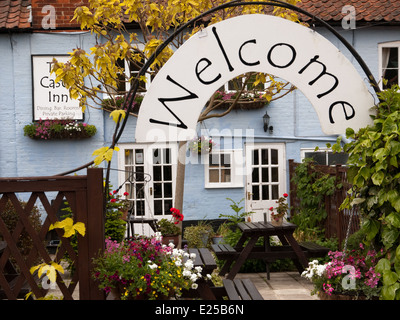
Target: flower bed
{"x": 144, "y": 268}
{"x": 351, "y": 274}
{"x": 59, "y": 129}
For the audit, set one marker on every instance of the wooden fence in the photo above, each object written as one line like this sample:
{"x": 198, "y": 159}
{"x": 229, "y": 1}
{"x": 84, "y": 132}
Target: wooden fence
{"x": 84, "y": 195}
{"x": 337, "y": 221}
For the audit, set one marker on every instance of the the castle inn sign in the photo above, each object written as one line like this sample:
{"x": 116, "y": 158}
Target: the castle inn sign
{"x": 51, "y": 99}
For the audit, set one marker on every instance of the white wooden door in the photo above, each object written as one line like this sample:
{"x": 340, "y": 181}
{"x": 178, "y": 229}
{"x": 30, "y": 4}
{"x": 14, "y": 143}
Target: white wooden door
{"x": 148, "y": 174}
{"x": 265, "y": 177}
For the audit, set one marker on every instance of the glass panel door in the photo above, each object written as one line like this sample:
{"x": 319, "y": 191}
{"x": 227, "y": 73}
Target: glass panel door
{"x": 148, "y": 173}
{"x": 266, "y": 180}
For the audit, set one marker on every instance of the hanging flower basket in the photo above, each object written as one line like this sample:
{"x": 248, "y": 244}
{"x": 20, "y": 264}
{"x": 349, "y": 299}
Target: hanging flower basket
{"x": 117, "y": 103}
{"x": 59, "y": 129}
{"x": 248, "y": 100}
{"x": 201, "y": 145}
{"x": 243, "y": 105}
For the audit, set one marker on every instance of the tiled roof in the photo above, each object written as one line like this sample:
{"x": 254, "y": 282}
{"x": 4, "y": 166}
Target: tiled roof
{"x": 365, "y": 10}
{"x": 14, "y": 14}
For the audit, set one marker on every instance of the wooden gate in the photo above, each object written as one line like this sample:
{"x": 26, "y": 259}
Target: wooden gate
{"x": 84, "y": 195}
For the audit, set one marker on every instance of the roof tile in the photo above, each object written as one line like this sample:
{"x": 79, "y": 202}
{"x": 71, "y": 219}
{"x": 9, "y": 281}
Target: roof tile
{"x": 366, "y": 10}
{"x": 14, "y": 14}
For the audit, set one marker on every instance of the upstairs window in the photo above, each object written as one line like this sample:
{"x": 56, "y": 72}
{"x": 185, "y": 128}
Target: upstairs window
{"x": 389, "y": 63}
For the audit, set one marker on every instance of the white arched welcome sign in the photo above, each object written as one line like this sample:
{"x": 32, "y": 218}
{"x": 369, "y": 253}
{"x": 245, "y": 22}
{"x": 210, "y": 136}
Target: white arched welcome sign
{"x": 261, "y": 43}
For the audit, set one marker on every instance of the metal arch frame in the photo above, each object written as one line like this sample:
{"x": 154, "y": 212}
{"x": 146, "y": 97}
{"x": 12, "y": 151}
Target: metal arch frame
{"x": 234, "y": 3}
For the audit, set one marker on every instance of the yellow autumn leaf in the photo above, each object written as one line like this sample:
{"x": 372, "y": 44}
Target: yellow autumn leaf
{"x": 116, "y": 115}
{"x": 104, "y": 153}
{"x": 50, "y": 271}
{"x": 69, "y": 227}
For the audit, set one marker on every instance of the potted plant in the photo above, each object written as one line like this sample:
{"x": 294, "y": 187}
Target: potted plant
{"x": 201, "y": 144}
{"x": 198, "y": 235}
{"x": 119, "y": 203}
{"x": 169, "y": 229}
{"x": 349, "y": 275}
{"x": 222, "y": 230}
{"x": 281, "y": 210}
{"x": 143, "y": 268}
{"x": 116, "y": 215}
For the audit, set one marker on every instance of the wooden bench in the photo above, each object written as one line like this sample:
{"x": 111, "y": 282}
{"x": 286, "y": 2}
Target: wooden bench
{"x": 241, "y": 289}
{"x": 314, "y": 250}
{"x": 222, "y": 251}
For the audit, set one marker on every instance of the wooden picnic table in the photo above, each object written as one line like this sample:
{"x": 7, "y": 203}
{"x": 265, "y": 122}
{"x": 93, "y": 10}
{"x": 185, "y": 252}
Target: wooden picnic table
{"x": 246, "y": 247}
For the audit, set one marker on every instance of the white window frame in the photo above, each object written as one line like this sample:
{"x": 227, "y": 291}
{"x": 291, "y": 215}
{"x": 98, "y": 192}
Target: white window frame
{"x": 325, "y": 150}
{"x": 237, "y": 169}
{"x": 392, "y": 44}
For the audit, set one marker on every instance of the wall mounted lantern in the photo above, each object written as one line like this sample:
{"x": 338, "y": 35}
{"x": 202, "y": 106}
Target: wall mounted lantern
{"x": 266, "y": 119}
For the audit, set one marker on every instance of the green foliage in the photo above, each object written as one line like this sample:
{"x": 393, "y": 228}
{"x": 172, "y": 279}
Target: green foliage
{"x": 311, "y": 187}
{"x": 167, "y": 227}
{"x": 374, "y": 172}
{"x": 59, "y": 129}
{"x": 234, "y": 219}
{"x": 198, "y": 236}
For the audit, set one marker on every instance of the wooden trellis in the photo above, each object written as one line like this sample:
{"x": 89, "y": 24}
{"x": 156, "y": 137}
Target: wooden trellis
{"x": 84, "y": 195}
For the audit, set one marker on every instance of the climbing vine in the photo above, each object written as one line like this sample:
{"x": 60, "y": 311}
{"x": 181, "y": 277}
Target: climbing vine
{"x": 312, "y": 186}
{"x": 374, "y": 172}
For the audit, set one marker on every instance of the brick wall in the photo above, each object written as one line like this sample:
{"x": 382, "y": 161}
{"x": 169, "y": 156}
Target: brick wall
{"x": 57, "y": 14}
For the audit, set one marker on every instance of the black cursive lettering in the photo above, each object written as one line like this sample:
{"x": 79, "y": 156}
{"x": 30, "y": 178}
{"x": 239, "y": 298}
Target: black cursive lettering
{"x": 191, "y": 95}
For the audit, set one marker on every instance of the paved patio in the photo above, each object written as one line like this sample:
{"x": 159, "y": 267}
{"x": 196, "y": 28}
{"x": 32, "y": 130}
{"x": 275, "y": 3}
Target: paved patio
{"x": 281, "y": 286}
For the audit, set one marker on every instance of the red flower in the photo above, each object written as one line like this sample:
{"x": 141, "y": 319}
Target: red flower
{"x": 272, "y": 208}
{"x": 113, "y": 200}
{"x": 126, "y": 193}
{"x": 285, "y": 195}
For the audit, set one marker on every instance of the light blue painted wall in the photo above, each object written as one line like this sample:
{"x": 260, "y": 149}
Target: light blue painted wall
{"x": 20, "y": 155}
{"x": 292, "y": 117}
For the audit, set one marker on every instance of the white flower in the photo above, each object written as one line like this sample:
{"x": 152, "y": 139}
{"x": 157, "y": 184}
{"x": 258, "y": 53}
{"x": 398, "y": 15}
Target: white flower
{"x": 158, "y": 236}
{"x": 193, "y": 256}
{"x": 194, "y": 286}
{"x": 189, "y": 264}
{"x": 208, "y": 276}
{"x": 198, "y": 269}
{"x": 193, "y": 277}
{"x": 186, "y": 273}
{"x": 178, "y": 262}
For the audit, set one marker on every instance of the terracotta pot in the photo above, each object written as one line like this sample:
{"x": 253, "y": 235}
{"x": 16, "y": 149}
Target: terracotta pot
{"x": 277, "y": 221}
{"x": 125, "y": 215}
{"x": 167, "y": 239}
